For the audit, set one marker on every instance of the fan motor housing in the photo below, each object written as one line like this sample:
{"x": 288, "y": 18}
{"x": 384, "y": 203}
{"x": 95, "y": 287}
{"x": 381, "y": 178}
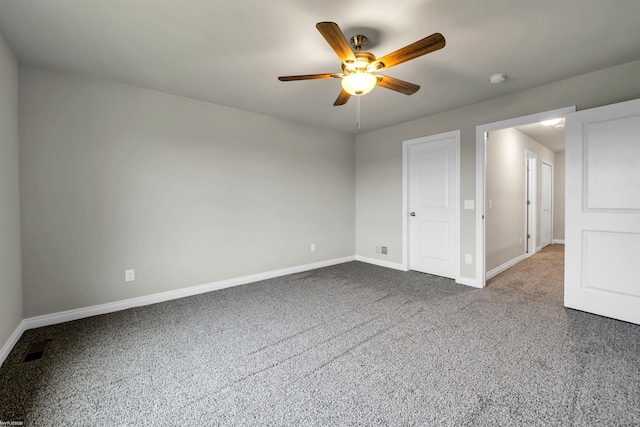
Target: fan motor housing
{"x": 363, "y": 59}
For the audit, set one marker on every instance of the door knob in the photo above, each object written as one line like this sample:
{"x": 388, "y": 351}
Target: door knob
{"x": 412, "y": 214}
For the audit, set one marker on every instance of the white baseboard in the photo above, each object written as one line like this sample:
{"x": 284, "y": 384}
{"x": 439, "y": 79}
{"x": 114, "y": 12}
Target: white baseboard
{"x": 398, "y": 266}
{"x": 558, "y": 241}
{"x": 506, "y": 265}
{"x": 11, "y": 342}
{"x": 468, "y": 282}
{"x": 381, "y": 263}
{"x": 79, "y": 313}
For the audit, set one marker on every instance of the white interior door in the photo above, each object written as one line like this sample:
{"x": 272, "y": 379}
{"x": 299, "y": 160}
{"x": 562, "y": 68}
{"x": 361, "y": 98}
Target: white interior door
{"x": 602, "y": 240}
{"x": 545, "y": 205}
{"x": 433, "y": 204}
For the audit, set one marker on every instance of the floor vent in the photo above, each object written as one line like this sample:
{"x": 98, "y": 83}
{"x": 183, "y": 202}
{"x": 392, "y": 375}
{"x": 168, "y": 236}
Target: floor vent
{"x": 36, "y": 351}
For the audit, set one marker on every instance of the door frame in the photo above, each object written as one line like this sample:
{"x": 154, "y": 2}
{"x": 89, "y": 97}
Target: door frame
{"x": 531, "y": 211}
{"x": 481, "y": 159}
{"x": 406, "y": 226}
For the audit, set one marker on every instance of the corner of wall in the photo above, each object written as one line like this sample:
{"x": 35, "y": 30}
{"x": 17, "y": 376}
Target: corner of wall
{"x": 11, "y": 301}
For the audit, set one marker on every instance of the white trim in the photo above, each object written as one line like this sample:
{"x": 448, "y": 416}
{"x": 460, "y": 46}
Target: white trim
{"x": 405, "y": 196}
{"x": 405, "y": 205}
{"x": 11, "y": 342}
{"x": 79, "y": 313}
{"x": 531, "y": 223}
{"x": 481, "y": 178}
{"x": 553, "y": 195}
{"x": 382, "y": 263}
{"x": 481, "y": 183}
{"x": 557, "y": 242}
{"x": 467, "y": 281}
{"x": 507, "y": 265}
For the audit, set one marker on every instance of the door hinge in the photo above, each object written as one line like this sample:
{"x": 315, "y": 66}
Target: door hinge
{"x": 528, "y": 202}
{"x": 528, "y": 236}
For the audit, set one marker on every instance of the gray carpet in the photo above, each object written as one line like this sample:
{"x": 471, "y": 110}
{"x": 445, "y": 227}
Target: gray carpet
{"x": 352, "y": 344}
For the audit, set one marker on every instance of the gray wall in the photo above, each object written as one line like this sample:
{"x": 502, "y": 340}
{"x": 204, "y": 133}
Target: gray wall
{"x": 506, "y": 176}
{"x": 379, "y": 153}
{"x": 558, "y": 196}
{"x": 10, "y": 268}
{"x": 187, "y": 193}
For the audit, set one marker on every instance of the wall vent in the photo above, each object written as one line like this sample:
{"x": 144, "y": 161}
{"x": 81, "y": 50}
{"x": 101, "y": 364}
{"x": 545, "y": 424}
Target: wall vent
{"x": 36, "y": 351}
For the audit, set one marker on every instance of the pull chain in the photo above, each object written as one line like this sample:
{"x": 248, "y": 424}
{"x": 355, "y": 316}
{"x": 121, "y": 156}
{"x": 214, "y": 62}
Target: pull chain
{"x": 358, "y": 112}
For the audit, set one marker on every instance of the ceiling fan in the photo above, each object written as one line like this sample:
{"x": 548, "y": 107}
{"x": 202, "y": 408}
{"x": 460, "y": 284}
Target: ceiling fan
{"x": 358, "y": 67}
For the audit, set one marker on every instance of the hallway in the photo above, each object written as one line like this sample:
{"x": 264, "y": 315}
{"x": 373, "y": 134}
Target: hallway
{"x": 539, "y": 276}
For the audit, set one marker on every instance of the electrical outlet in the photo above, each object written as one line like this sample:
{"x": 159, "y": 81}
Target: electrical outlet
{"x": 520, "y": 242}
{"x": 129, "y": 275}
{"x": 378, "y": 249}
{"x": 467, "y": 258}
{"x": 384, "y": 250}
{"x": 313, "y": 247}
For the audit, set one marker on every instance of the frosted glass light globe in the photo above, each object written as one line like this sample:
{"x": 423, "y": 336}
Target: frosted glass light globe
{"x": 359, "y": 83}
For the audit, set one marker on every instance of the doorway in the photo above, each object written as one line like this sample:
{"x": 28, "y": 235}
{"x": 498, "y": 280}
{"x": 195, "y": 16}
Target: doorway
{"x": 516, "y": 251}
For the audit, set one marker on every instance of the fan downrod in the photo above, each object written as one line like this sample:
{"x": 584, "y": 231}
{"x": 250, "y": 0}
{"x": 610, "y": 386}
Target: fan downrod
{"x": 358, "y": 42}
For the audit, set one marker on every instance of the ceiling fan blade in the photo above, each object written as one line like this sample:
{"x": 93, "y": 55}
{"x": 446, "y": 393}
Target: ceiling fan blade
{"x": 414, "y": 50}
{"x": 342, "y": 98}
{"x": 333, "y": 35}
{"x": 306, "y": 77}
{"x": 397, "y": 85}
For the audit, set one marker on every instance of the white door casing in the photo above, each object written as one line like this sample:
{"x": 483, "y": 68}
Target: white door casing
{"x": 481, "y": 159}
{"x": 531, "y": 197}
{"x": 432, "y": 209}
{"x": 602, "y": 241}
{"x": 545, "y": 205}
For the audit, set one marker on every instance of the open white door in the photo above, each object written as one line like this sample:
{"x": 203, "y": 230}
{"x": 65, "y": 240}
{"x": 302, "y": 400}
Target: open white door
{"x": 602, "y": 240}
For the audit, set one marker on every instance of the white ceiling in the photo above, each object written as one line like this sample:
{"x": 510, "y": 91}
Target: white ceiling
{"x": 551, "y": 137}
{"x": 230, "y": 52}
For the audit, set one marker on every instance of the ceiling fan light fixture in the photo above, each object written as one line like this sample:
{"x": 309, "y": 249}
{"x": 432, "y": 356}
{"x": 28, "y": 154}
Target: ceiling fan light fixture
{"x": 358, "y": 66}
{"x": 359, "y": 83}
